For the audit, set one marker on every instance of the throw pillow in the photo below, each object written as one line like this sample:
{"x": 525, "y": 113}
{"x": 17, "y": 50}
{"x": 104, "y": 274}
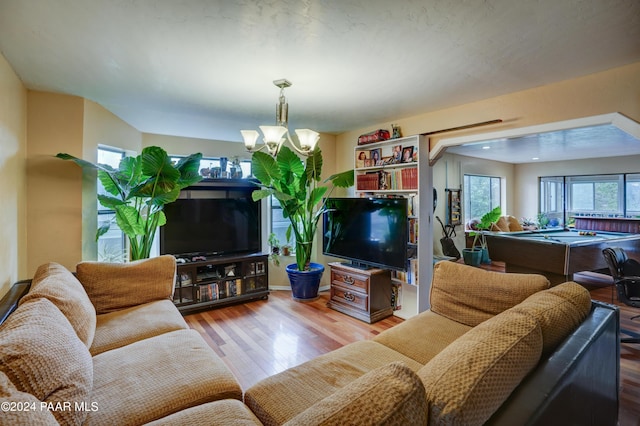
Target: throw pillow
{"x": 41, "y": 355}
{"x": 56, "y": 283}
{"x": 389, "y": 395}
{"x": 114, "y": 286}
{"x": 469, "y": 380}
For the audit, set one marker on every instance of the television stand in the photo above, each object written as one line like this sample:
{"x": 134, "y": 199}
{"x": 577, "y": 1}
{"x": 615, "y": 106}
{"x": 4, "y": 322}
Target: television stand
{"x": 221, "y": 280}
{"x": 362, "y": 294}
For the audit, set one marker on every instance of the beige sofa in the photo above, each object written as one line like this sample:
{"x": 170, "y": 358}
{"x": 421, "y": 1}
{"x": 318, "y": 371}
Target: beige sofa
{"x": 110, "y": 348}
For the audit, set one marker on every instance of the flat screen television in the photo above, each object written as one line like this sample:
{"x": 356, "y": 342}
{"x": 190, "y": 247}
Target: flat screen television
{"x": 369, "y": 232}
{"x": 212, "y": 223}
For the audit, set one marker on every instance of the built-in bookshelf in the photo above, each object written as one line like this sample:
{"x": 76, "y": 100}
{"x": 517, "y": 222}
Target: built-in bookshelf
{"x": 400, "y": 167}
{"x": 217, "y": 281}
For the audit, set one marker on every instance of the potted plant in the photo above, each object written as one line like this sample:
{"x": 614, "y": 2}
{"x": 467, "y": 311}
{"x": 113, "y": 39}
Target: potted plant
{"x": 296, "y": 186}
{"x": 476, "y": 255}
{"x": 274, "y": 245}
{"x": 138, "y": 190}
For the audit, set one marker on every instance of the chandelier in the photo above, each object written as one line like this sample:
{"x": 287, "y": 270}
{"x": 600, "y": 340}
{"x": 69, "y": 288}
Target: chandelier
{"x": 275, "y": 136}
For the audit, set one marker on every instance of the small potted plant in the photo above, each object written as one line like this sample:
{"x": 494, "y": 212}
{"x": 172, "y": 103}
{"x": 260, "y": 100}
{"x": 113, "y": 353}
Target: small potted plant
{"x": 480, "y": 254}
{"x": 274, "y": 244}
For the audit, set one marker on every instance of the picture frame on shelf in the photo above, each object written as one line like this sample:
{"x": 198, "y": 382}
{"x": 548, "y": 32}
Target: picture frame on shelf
{"x": 376, "y": 156}
{"x": 407, "y": 154}
{"x": 361, "y": 161}
{"x": 397, "y": 153}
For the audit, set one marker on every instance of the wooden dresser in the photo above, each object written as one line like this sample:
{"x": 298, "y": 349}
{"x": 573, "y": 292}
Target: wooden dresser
{"x": 361, "y": 293}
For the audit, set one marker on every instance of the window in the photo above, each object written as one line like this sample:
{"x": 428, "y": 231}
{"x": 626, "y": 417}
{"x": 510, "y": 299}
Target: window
{"x": 482, "y": 195}
{"x": 211, "y": 163}
{"x": 552, "y": 198}
{"x": 613, "y": 195}
{"x": 112, "y": 245}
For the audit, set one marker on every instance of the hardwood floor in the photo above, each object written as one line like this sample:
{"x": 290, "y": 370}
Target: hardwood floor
{"x": 258, "y": 339}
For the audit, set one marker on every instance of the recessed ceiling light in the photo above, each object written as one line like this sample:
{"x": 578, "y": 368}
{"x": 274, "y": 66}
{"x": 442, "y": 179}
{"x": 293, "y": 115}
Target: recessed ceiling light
{"x": 535, "y": 158}
{"x": 486, "y": 147}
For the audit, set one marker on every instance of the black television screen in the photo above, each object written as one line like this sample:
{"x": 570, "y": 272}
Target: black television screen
{"x": 368, "y": 231}
{"x": 209, "y": 225}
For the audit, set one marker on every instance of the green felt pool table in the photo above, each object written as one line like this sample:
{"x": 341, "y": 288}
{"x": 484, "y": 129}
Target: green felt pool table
{"x": 557, "y": 254}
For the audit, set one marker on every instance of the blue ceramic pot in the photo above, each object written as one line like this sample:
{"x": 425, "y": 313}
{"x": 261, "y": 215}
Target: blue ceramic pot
{"x": 305, "y": 284}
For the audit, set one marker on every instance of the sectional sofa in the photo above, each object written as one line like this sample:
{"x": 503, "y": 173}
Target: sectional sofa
{"x": 106, "y": 346}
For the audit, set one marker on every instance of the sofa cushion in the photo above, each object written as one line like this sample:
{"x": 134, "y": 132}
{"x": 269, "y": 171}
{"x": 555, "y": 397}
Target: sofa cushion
{"x": 218, "y": 413}
{"x": 114, "y": 286}
{"x": 120, "y": 328}
{"x": 558, "y": 310}
{"x": 423, "y": 336}
{"x": 389, "y": 395}
{"x": 281, "y": 397}
{"x": 42, "y": 355}
{"x": 158, "y": 376}
{"x": 470, "y": 379}
{"x": 57, "y": 284}
{"x": 470, "y": 295}
{"x": 21, "y": 408}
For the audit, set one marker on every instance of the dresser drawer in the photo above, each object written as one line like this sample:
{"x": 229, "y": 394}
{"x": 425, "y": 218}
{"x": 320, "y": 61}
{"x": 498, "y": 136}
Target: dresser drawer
{"x": 350, "y": 280}
{"x": 350, "y": 297}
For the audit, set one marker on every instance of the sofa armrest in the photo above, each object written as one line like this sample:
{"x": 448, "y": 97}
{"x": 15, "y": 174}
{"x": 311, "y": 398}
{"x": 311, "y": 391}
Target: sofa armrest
{"x": 389, "y": 395}
{"x": 9, "y": 301}
{"x": 577, "y": 384}
{"x": 115, "y": 286}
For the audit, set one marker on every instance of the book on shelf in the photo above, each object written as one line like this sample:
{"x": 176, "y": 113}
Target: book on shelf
{"x": 413, "y": 230}
{"x": 368, "y": 182}
{"x": 396, "y": 296}
{"x": 208, "y": 292}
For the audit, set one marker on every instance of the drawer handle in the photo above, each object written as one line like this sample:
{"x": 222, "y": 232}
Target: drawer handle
{"x": 348, "y": 280}
{"x": 349, "y": 296}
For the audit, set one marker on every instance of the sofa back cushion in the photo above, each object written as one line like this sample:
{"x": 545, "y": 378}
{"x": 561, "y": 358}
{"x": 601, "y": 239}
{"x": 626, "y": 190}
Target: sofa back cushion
{"x": 559, "y": 311}
{"x": 41, "y": 355}
{"x": 54, "y": 282}
{"x": 114, "y": 286}
{"x": 468, "y": 381}
{"x": 471, "y": 295}
{"x": 389, "y": 395}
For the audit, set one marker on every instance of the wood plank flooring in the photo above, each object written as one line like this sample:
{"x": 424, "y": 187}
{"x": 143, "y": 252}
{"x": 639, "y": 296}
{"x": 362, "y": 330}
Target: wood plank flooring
{"x": 258, "y": 339}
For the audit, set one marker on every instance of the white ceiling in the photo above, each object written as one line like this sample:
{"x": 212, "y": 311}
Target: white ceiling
{"x": 204, "y": 68}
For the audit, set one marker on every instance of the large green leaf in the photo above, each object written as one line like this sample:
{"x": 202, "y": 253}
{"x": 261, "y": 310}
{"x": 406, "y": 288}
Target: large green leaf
{"x": 342, "y": 180}
{"x": 189, "y": 170}
{"x": 259, "y": 194}
{"x": 264, "y": 168}
{"x": 315, "y": 197}
{"x": 129, "y": 220}
{"x": 314, "y": 165}
{"x": 129, "y": 173}
{"x": 110, "y": 182}
{"x": 83, "y": 163}
{"x": 110, "y": 202}
{"x": 166, "y": 197}
{"x": 163, "y": 177}
{"x": 289, "y": 162}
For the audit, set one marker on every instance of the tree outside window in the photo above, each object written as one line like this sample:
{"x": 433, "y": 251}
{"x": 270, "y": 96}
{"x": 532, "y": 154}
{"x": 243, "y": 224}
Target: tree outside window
{"x": 481, "y": 195}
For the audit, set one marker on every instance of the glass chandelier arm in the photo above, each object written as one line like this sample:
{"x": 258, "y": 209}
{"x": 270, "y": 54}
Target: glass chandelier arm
{"x": 250, "y": 138}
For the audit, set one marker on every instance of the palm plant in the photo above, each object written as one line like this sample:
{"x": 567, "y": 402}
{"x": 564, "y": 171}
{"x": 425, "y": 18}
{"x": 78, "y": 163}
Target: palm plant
{"x": 296, "y": 186}
{"x": 138, "y": 190}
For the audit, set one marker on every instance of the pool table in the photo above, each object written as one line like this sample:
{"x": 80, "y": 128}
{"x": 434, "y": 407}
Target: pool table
{"x": 557, "y": 253}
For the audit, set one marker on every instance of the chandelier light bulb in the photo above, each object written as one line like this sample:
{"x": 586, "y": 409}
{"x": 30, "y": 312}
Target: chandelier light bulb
{"x": 307, "y": 138}
{"x": 250, "y": 138}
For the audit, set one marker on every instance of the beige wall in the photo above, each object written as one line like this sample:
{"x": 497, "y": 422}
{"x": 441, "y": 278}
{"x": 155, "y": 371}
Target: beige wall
{"x": 13, "y": 136}
{"x": 61, "y": 206}
{"x": 54, "y": 187}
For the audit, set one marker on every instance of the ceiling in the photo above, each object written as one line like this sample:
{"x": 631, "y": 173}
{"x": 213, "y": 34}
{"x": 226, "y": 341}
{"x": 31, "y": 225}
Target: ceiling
{"x": 204, "y": 68}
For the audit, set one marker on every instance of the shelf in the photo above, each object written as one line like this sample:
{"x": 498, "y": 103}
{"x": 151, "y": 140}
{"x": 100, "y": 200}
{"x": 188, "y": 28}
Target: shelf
{"x": 221, "y": 281}
{"x": 415, "y": 178}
